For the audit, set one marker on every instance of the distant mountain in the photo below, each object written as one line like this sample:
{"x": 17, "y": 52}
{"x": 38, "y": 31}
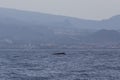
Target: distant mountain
{"x": 104, "y": 36}
{"x": 25, "y": 18}
{"x": 33, "y": 26}
{"x": 111, "y": 23}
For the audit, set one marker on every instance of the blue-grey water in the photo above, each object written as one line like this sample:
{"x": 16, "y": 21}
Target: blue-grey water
{"x": 99, "y": 64}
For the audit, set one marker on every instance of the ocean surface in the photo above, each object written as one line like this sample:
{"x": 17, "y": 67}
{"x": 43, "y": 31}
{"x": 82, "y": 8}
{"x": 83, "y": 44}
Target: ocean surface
{"x": 77, "y": 64}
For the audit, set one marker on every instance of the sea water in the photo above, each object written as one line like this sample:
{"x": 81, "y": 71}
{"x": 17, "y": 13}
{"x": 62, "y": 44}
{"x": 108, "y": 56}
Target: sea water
{"x": 77, "y": 64}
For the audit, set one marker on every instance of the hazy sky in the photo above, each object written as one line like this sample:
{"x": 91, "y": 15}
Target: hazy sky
{"x": 88, "y": 9}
